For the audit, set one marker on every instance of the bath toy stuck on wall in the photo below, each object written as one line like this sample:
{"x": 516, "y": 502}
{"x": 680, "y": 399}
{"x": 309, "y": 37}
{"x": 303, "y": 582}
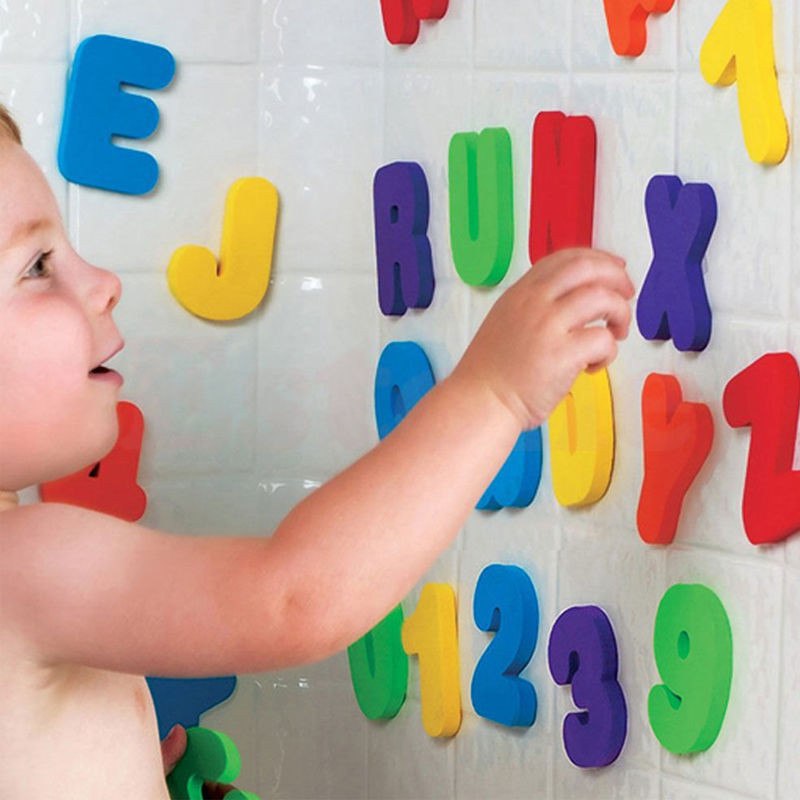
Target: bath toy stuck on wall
{"x": 627, "y": 23}
{"x": 401, "y": 18}
{"x": 96, "y": 108}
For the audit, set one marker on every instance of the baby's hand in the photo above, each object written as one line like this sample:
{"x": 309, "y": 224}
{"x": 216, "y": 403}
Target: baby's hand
{"x": 535, "y": 340}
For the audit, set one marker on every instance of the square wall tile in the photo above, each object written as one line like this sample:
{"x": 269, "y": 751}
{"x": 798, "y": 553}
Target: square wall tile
{"x": 749, "y": 254}
{"x": 206, "y": 31}
{"x": 294, "y": 35}
{"x": 744, "y": 756}
{"x": 34, "y": 30}
{"x": 676, "y": 789}
{"x": 317, "y": 359}
{"x": 516, "y": 33}
{"x": 320, "y": 144}
{"x": 789, "y": 688}
{"x": 194, "y": 381}
{"x": 207, "y": 118}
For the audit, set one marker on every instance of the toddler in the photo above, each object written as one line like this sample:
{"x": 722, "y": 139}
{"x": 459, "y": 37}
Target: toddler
{"x": 90, "y": 603}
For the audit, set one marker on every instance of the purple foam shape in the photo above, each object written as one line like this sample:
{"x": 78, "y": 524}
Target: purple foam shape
{"x": 582, "y": 651}
{"x": 673, "y": 301}
{"x": 405, "y": 266}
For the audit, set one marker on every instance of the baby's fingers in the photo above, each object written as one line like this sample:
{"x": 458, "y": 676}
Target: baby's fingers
{"x": 595, "y": 348}
{"x": 592, "y": 303}
{"x": 575, "y": 268}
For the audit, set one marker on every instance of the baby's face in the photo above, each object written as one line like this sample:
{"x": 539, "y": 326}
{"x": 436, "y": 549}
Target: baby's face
{"x": 55, "y": 326}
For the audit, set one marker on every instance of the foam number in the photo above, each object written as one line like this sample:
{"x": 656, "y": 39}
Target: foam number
{"x": 582, "y": 441}
{"x": 673, "y": 302}
{"x": 236, "y": 285}
{"x": 563, "y": 159}
{"x": 582, "y": 651}
{"x": 517, "y": 482}
{"x": 505, "y": 603}
{"x": 404, "y": 375}
{"x": 183, "y": 700}
{"x": 108, "y": 486}
{"x": 401, "y": 18}
{"x": 430, "y": 634}
{"x": 210, "y": 756}
{"x": 627, "y": 23}
{"x": 481, "y": 205}
{"x": 694, "y": 655}
{"x": 379, "y": 668}
{"x": 405, "y": 267}
{"x": 677, "y": 438}
{"x": 96, "y": 108}
{"x": 766, "y": 396}
{"x": 739, "y": 47}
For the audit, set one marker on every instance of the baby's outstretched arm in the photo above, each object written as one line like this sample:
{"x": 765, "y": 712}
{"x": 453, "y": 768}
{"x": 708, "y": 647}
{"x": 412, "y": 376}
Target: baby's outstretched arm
{"x": 86, "y": 588}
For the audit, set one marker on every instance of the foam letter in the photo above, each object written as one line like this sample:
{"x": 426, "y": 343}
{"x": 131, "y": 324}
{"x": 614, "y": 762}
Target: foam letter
{"x": 96, "y": 108}
{"x": 677, "y": 438}
{"x": 673, "y": 302}
{"x": 564, "y": 153}
{"x": 505, "y": 603}
{"x": 582, "y": 651}
{"x": 739, "y": 47}
{"x": 582, "y": 441}
{"x": 766, "y": 396}
{"x": 236, "y": 285}
{"x": 481, "y": 205}
{"x": 518, "y": 480}
{"x": 405, "y": 266}
{"x": 182, "y": 700}
{"x": 627, "y": 23}
{"x": 401, "y": 18}
{"x": 693, "y": 648}
{"x": 108, "y": 486}
{"x": 430, "y": 633}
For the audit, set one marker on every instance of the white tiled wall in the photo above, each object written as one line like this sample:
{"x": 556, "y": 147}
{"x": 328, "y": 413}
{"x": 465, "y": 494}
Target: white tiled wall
{"x": 244, "y": 419}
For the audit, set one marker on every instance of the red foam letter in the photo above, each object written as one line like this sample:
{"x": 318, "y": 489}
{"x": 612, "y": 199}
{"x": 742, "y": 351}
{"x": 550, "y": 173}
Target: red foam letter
{"x": 677, "y": 440}
{"x": 627, "y": 23}
{"x": 401, "y": 17}
{"x": 562, "y": 183}
{"x": 766, "y": 396}
{"x": 110, "y": 485}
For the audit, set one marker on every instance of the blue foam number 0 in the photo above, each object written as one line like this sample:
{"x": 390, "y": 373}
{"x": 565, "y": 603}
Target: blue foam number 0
{"x": 583, "y": 652}
{"x": 505, "y": 602}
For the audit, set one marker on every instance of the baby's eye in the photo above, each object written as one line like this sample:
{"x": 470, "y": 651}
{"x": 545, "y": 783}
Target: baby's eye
{"x": 41, "y": 262}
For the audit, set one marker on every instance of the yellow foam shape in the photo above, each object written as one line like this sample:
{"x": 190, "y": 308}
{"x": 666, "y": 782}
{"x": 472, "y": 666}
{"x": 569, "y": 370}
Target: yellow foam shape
{"x": 739, "y": 47}
{"x": 234, "y": 287}
{"x": 582, "y": 441}
{"x": 430, "y": 633}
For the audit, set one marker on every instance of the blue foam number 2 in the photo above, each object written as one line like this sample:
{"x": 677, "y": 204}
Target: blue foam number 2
{"x": 583, "y": 652}
{"x": 505, "y": 602}
{"x": 96, "y": 108}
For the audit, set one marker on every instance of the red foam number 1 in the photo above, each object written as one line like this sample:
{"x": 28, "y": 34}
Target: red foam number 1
{"x": 401, "y": 18}
{"x": 766, "y": 396}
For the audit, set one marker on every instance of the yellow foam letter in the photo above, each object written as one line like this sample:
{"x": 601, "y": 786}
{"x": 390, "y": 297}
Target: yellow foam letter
{"x": 237, "y": 285}
{"x": 582, "y": 441}
{"x": 430, "y": 633}
{"x": 739, "y": 47}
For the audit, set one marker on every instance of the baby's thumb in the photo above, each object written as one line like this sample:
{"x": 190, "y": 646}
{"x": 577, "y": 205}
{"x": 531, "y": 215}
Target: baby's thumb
{"x": 173, "y": 746}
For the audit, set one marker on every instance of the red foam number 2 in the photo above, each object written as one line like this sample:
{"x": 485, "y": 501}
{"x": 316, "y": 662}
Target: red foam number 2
{"x": 401, "y": 18}
{"x": 766, "y": 396}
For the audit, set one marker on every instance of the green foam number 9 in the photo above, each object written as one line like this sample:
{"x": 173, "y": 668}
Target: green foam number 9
{"x": 694, "y": 654}
{"x": 481, "y": 205}
{"x": 210, "y": 756}
{"x": 379, "y": 668}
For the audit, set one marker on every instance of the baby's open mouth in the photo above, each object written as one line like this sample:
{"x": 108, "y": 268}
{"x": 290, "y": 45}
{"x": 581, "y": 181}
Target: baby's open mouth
{"x": 99, "y": 370}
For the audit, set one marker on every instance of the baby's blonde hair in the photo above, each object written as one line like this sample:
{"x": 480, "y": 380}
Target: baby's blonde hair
{"x": 8, "y": 128}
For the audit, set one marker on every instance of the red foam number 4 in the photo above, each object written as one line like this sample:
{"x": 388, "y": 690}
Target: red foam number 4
{"x": 677, "y": 439}
{"x": 627, "y": 23}
{"x": 766, "y": 396}
{"x": 110, "y": 485}
{"x": 401, "y": 18}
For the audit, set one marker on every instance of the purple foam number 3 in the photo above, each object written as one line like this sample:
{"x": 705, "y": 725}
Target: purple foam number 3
{"x": 405, "y": 267}
{"x": 673, "y": 301}
{"x": 582, "y": 651}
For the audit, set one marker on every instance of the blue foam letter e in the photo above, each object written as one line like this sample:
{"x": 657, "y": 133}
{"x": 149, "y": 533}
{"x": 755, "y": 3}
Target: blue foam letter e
{"x": 96, "y": 108}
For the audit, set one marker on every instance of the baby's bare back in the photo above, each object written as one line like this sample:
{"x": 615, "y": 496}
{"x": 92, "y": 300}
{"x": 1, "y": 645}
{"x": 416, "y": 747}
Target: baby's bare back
{"x": 74, "y": 732}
